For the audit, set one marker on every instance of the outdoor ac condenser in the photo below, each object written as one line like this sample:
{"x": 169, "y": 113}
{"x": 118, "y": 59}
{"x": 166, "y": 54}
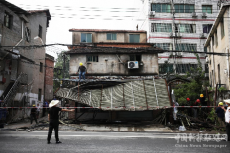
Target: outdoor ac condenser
{"x": 133, "y": 65}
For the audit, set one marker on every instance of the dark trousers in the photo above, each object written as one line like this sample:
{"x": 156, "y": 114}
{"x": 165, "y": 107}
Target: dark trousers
{"x": 228, "y": 130}
{"x": 33, "y": 117}
{"x": 53, "y": 125}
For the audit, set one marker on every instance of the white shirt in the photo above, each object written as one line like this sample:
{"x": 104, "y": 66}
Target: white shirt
{"x": 227, "y": 115}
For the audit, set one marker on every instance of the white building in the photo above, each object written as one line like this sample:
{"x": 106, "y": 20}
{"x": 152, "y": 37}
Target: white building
{"x": 178, "y": 25}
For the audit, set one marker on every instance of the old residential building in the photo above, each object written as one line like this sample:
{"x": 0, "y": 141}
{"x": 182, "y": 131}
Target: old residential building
{"x": 178, "y": 25}
{"x": 22, "y": 69}
{"x": 109, "y": 52}
{"x": 218, "y": 42}
{"x": 49, "y": 72}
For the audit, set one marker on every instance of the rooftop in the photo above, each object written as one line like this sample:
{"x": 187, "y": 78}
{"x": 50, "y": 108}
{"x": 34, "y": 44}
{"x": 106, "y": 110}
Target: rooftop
{"x": 107, "y": 30}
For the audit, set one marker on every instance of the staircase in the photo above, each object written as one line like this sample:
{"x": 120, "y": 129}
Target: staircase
{"x": 22, "y": 78}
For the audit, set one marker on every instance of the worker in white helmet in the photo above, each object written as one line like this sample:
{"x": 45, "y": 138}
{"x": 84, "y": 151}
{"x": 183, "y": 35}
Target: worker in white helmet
{"x": 82, "y": 71}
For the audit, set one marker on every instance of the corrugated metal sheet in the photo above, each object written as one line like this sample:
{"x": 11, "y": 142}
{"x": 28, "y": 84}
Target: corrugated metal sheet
{"x": 130, "y": 96}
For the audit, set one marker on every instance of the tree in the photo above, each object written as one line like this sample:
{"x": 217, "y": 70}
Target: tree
{"x": 191, "y": 89}
{"x": 61, "y": 70}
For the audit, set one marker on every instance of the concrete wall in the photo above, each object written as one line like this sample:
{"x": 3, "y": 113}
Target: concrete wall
{"x": 222, "y": 76}
{"x": 97, "y": 37}
{"x": 109, "y": 64}
{"x": 49, "y": 79}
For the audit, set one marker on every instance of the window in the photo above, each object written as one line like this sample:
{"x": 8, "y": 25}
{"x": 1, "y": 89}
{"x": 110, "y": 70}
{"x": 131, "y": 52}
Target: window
{"x": 135, "y": 57}
{"x": 213, "y": 40}
{"x": 185, "y": 28}
{"x": 164, "y": 46}
{"x": 207, "y": 9}
{"x": 207, "y": 28}
{"x": 165, "y": 68}
{"x": 86, "y": 37}
{"x": 27, "y": 34}
{"x": 205, "y": 49}
{"x": 186, "y": 47}
{"x": 39, "y": 94}
{"x": 161, "y": 27}
{"x": 184, "y": 68}
{"x": 161, "y": 8}
{"x": 92, "y": 58}
{"x": 184, "y": 8}
{"x": 134, "y": 38}
{"x": 40, "y": 31}
{"x": 222, "y": 29}
{"x": 8, "y": 20}
{"x": 41, "y": 67}
{"x": 111, "y": 36}
{"x": 206, "y": 68}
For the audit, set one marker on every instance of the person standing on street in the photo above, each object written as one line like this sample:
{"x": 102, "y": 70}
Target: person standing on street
{"x": 33, "y": 115}
{"x": 82, "y": 71}
{"x": 227, "y": 117}
{"x": 220, "y": 113}
{"x": 38, "y": 110}
{"x": 53, "y": 119}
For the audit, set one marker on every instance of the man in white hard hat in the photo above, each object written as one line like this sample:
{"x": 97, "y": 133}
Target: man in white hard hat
{"x": 227, "y": 117}
{"x": 54, "y": 119}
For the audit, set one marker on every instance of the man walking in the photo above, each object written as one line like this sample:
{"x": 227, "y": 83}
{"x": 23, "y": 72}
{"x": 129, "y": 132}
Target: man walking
{"x": 33, "y": 115}
{"x": 53, "y": 118}
{"x": 227, "y": 118}
{"x": 82, "y": 71}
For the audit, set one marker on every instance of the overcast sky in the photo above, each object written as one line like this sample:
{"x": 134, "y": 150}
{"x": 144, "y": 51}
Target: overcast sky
{"x": 84, "y": 14}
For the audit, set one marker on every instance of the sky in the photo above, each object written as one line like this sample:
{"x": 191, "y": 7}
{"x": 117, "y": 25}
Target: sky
{"x": 83, "y": 14}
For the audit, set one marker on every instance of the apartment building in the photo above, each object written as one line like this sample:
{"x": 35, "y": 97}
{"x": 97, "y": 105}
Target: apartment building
{"x": 178, "y": 25}
{"x": 22, "y": 69}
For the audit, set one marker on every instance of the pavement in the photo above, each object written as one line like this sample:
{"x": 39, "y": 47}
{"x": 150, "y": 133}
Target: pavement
{"x": 106, "y": 142}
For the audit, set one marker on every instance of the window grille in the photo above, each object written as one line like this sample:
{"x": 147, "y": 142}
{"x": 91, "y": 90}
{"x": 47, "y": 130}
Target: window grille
{"x": 161, "y": 27}
{"x": 185, "y": 28}
{"x": 165, "y": 68}
{"x": 186, "y": 47}
{"x": 161, "y": 8}
{"x": 86, "y": 37}
{"x": 164, "y": 46}
{"x": 184, "y": 68}
{"x": 184, "y": 8}
{"x": 92, "y": 58}
{"x": 207, "y": 9}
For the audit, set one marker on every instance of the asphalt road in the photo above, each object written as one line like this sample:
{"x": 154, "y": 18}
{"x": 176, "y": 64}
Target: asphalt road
{"x": 106, "y": 142}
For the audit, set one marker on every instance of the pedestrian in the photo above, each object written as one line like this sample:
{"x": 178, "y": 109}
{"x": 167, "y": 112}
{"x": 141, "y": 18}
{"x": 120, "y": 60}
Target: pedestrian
{"x": 220, "y": 113}
{"x": 194, "y": 109}
{"x": 33, "y": 115}
{"x": 53, "y": 119}
{"x": 175, "y": 110}
{"x": 38, "y": 110}
{"x": 189, "y": 111}
{"x": 227, "y": 118}
{"x": 82, "y": 71}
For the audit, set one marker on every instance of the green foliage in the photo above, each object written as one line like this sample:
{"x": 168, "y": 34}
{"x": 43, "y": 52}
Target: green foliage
{"x": 191, "y": 89}
{"x": 221, "y": 89}
{"x": 212, "y": 115}
{"x": 59, "y": 72}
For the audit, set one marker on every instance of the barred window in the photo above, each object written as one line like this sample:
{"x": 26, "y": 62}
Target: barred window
{"x": 161, "y": 27}
{"x": 184, "y": 8}
{"x": 161, "y": 8}
{"x": 186, "y": 47}
{"x": 184, "y": 68}
{"x": 207, "y": 9}
{"x": 185, "y": 28}
{"x": 164, "y": 46}
{"x": 92, "y": 58}
{"x": 165, "y": 68}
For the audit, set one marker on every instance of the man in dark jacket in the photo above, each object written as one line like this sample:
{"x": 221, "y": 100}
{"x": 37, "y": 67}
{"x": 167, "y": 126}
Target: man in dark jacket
{"x": 82, "y": 71}
{"x": 53, "y": 118}
{"x": 220, "y": 113}
{"x": 33, "y": 115}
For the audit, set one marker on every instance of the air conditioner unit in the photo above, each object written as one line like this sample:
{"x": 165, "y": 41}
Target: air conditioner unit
{"x": 194, "y": 15}
{"x": 179, "y": 54}
{"x": 204, "y": 15}
{"x": 206, "y": 59}
{"x": 152, "y": 13}
{"x": 178, "y": 34}
{"x": 175, "y": 34}
{"x": 172, "y": 34}
{"x": 133, "y": 65}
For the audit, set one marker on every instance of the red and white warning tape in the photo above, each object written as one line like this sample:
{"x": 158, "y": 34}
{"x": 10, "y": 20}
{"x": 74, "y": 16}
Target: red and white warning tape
{"x": 125, "y": 107}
